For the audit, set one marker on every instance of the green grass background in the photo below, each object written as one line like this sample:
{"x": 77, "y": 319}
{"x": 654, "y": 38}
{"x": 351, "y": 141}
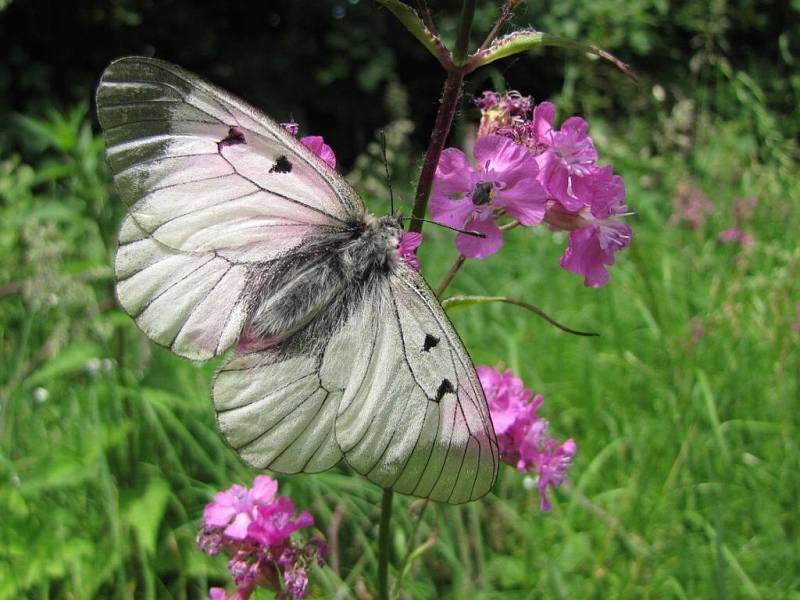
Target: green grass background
{"x": 685, "y": 409}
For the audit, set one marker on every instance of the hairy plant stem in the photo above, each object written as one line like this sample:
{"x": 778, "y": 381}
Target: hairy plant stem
{"x": 441, "y": 128}
{"x": 384, "y": 539}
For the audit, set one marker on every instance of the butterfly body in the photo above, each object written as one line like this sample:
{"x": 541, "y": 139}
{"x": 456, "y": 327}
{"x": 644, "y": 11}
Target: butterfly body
{"x": 238, "y": 240}
{"x": 319, "y": 284}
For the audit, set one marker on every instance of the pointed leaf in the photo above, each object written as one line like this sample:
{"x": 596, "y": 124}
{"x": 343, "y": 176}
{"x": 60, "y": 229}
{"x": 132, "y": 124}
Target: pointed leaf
{"x": 409, "y": 17}
{"x": 459, "y": 302}
{"x": 527, "y": 39}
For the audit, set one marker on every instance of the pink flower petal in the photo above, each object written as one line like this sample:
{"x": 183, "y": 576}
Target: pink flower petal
{"x": 317, "y": 145}
{"x": 264, "y": 489}
{"x": 407, "y": 248}
{"x": 584, "y": 256}
{"x": 454, "y": 175}
{"x": 475, "y": 247}
{"x": 543, "y": 116}
{"x": 454, "y": 213}
{"x": 238, "y": 529}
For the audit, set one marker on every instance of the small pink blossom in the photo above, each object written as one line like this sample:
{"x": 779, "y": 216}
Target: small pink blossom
{"x": 591, "y": 250}
{"x": 407, "y": 248}
{"x": 521, "y": 434}
{"x": 569, "y": 158}
{"x": 234, "y": 508}
{"x": 690, "y": 205}
{"x": 274, "y": 523}
{"x": 254, "y": 528}
{"x": 596, "y": 234}
{"x": 734, "y": 235}
{"x": 317, "y": 145}
{"x": 504, "y": 179}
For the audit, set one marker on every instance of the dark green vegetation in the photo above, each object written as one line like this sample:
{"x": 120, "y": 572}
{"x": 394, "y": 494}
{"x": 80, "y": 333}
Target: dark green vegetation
{"x": 685, "y": 410}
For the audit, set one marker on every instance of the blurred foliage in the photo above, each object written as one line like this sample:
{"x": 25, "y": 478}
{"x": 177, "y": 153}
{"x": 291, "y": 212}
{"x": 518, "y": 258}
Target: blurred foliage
{"x": 330, "y": 64}
{"x": 685, "y": 409}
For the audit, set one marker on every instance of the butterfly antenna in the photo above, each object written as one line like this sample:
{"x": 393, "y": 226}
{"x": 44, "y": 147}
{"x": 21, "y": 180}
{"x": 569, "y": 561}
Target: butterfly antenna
{"x": 477, "y": 234}
{"x": 388, "y": 175}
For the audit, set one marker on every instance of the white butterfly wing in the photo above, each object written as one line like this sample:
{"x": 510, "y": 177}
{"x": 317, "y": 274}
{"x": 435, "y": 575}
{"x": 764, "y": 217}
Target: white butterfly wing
{"x": 210, "y": 184}
{"x": 393, "y": 391}
{"x": 277, "y": 413}
{"x": 193, "y": 303}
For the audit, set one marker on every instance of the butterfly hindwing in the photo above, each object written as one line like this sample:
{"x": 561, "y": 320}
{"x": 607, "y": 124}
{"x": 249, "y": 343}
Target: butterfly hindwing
{"x": 275, "y": 411}
{"x": 405, "y": 412}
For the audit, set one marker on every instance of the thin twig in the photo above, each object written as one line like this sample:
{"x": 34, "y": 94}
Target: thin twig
{"x": 531, "y": 307}
{"x": 425, "y": 14}
{"x": 449, "y": 275}
{"x": 510, "y": 225}
{"x": 505, "y": 15}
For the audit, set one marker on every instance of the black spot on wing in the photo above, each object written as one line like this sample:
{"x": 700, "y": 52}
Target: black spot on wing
{"x": 235, "y": 136}
{"x": 431, "y": 341}
{"x": 444, "y": 388}
{"x": 282, "y": 165}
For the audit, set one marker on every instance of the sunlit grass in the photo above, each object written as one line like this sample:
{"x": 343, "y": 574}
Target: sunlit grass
{"x": 684, "y": 409}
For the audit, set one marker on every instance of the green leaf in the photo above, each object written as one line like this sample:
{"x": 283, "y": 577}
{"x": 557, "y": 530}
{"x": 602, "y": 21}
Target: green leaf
{"x": 459, "y": 302}
{"x": 527, "y": 39}
{"x": 409, "y": 17}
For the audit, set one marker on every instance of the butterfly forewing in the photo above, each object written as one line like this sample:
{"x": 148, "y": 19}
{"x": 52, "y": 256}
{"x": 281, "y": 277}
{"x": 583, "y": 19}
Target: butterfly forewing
{"x": 193, "y": 164}
{"x": 202, "y": 171}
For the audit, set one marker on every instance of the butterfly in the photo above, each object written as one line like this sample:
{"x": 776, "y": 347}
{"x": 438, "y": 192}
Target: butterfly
{"x": 239, "y": 240}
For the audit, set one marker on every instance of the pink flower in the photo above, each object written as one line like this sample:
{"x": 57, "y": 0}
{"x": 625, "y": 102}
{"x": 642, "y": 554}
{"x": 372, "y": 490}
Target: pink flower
{"x": 407, "y": 248}
{"x": 690, "y": 205}
{"x": 317, "y": 145}
{"x": 521, "y": 434}
{"x": 596, "y": 234}
{"x": 570, "y": 156}
{"x": 592, "y": 249}
{"x": 234, "y": 508}
{"x": 470, "y": 197}
{"x": 254, "y": 528}
{"x": 274, "y": 523}
{"x": 734, "y": 235}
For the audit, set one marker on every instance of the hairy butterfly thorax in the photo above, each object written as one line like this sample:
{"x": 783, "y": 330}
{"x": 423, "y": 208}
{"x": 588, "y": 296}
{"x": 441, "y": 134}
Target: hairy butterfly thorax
{"x": 320, "y": 290}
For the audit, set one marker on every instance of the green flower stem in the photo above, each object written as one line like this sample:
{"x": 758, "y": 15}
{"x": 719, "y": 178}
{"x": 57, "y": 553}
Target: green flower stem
{"x": 464, "y": 29}
{"x": 384, "y": 541}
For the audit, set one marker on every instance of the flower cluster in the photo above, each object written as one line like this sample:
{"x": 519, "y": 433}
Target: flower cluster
{"x": 253, "y": 527}
{"x": 522, "y": 434}
{"x": 526, "y": 169}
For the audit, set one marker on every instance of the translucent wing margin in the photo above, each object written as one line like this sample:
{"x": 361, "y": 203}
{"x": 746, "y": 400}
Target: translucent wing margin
{"x": 393, "y": 392}
{"x": 201, "y": 171}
